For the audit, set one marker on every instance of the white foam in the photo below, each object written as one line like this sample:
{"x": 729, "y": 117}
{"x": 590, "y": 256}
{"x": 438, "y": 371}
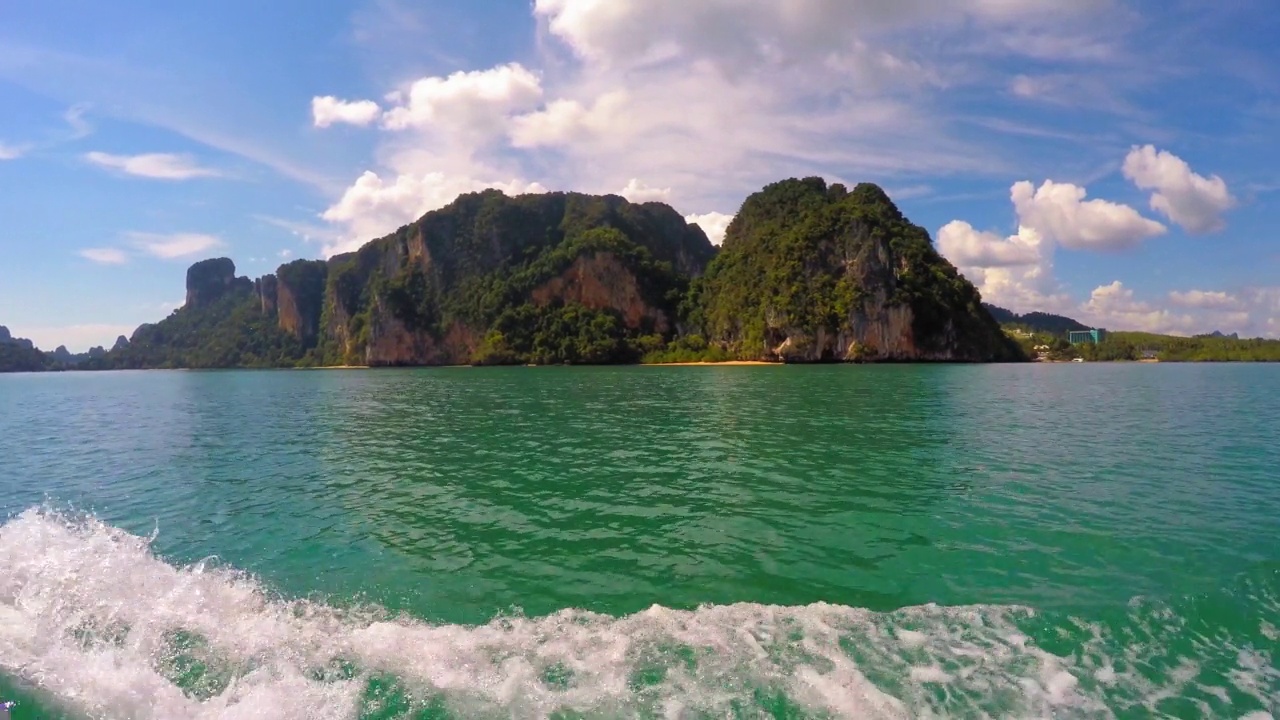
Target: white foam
{"x": 91, "y": 616}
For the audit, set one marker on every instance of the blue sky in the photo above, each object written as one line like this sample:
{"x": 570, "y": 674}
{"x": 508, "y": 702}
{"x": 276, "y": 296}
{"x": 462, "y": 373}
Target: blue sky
{"x": 1114, "y": 160}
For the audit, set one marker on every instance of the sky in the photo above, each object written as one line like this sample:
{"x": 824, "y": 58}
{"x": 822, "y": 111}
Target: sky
{"x": 1112, "y": 160}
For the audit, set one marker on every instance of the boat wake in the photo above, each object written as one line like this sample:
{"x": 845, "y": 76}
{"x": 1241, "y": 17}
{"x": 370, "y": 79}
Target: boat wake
{"x": 93, "y": 623}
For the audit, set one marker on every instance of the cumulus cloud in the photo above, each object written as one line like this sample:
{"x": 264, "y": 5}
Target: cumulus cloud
{"x": 175, "y": 245}
{"x": 1017, "y": 271}
{"x": 703, "y": 101}
{"x": 1115, "y": 306}
{"x": 1192, "y": 201}
{"x": 1061, "y": 213}
{"x": 466, "y": 101}
{"x": 967, "y": 247}
{"x": 638, "y": 192}
{"x": 159, "y": 166}
{"x": 329, "y": 110}
{"x": 373, "y": 207}
{"x": 714, "y": 224}
{"x": 105, "y": 256}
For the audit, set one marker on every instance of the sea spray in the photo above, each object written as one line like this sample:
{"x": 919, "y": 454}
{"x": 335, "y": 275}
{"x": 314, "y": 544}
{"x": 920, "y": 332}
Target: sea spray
{"x": 91, "y": 617}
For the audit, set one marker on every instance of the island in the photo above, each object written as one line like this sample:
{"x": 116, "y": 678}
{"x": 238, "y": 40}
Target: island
{"x": 809, "y": 272}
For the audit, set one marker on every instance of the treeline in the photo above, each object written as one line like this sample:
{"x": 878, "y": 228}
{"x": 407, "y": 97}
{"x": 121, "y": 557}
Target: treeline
{"x": 1133, "y": 346}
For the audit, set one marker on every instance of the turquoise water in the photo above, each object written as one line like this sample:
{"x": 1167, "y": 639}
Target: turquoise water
{"x": 1003, "y": 541}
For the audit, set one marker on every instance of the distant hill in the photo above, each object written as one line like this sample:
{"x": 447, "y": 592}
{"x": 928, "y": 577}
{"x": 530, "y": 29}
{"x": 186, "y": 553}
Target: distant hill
{"x": 19, "y": 354}
{"x": 1036, "y": 321}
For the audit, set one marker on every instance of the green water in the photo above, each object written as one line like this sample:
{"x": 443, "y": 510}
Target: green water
{"x": 1003, "y": 541}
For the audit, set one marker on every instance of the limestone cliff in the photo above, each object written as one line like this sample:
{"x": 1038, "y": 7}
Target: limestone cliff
{"x": 808, "y": 273}
{"x": 487, "y": 278}
{"x": 267, "y": 288}
{"x": 300, "y": 289}
{"x": 811, "y": 273}
{"x": 209, "y": 280}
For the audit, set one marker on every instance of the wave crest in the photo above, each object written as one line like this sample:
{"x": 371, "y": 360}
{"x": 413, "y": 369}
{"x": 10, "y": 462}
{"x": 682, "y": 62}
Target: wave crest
{"x": 98, "y": 623}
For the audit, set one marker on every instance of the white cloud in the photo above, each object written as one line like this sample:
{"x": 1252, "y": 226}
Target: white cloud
{"x": 1114, "y": 306}
{"x": 739, "y": 31}
{"x": 328, "y": 110}
{"x": 466, "y": 102}
{"x": 638, "y": 192}
{"x": 1017, "y": 272}
{"x": 285, "y": 254}
{"x": 160, "y": 166}
{"x": 1207, "y": 300}
{"x": 373, "y": 207}
{"x": 710, "y": 99}
{"x": 714, "y": 224}
{"x": 1014, "y": 272}
{"x": 105, "y": 256}
{"x": 174, "y": 246}
{"x": 1060, "y": 212}
{"x": 11, "y": 152}
{"x": 1193, "y": 201}
{"x": 967, "y": 247}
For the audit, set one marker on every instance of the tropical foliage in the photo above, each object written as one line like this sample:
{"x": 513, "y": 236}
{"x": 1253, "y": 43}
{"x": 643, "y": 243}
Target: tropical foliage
{"x": 804, "y": 256}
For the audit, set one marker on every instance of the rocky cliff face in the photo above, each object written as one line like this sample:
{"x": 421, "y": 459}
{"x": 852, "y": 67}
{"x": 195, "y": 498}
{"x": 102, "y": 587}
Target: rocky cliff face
{"x": 300, "y": 287}
{"x": 432, "y": 292}
{"x": 811, "y": 273}
{"x": 209, "y": 280}
{"x": 268, "y": 297}
{"x": 808, "y": 273}
{"x": 602, "y": 282}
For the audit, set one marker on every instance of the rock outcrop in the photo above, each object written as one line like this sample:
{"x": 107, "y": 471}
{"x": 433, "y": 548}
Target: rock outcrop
{"x": 811, "y": 273}
{"x": 267, "y": 289}
{"x": 300, "y": 287}
{"x": 209, "y": 280}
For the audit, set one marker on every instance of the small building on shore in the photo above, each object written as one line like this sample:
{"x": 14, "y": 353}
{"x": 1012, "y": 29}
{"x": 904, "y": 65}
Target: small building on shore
{"x": 1093, "y": 336}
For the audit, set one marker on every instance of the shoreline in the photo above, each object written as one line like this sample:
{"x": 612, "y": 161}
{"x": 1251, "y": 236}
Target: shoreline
{"x": 722, "y": 363}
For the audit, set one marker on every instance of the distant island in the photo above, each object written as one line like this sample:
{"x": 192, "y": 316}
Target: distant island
{"x": 808, "y": 273}
{"x": 1043, "y": 335}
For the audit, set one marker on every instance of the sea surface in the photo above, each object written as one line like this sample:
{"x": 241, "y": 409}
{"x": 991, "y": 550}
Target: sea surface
{"x": 1071, "y": 541}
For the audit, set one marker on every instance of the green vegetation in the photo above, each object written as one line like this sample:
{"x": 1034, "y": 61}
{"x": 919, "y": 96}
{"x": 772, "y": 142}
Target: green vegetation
{"x": 804, "y": 264}
{"x": 687, "y": 349}
{"x": 500, "y": 271}
{"x": 1201, "y": 348}
{"x": 18, "y": 356}
{"x": 554, "y": 335}
{"x": 231, "y": 331}
{"x": 1124, "y": 346}
{"x": 1035, "y": 322}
